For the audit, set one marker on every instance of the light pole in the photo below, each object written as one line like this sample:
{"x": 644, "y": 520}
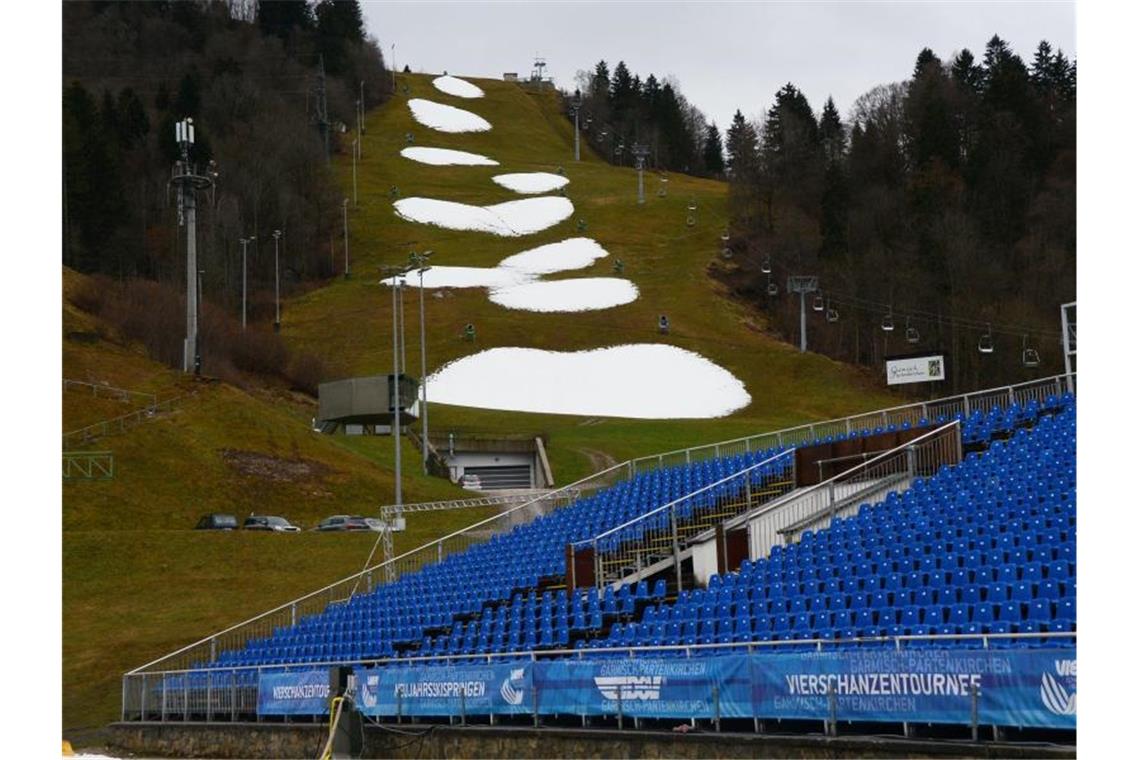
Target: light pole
{"x": 277, "y": 279}
{"x": 244, "y": 243}
{"x": 419, "y": 261}
{"x": 397, "y": 284}
{"x": 354, "y": 144}
{"x": 345, "y": 207}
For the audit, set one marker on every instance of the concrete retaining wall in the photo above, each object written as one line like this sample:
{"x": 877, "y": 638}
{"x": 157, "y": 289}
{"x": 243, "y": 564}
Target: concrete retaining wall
{"x": 255, "y": 740}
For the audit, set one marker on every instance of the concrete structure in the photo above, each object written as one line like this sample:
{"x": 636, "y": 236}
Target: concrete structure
{"x": 499, "y": 463}
{"x": 364, "y": 404}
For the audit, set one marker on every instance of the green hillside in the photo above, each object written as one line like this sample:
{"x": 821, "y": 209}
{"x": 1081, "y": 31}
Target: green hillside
{"x": 139, "y": 583}
{"x": 348, "y": 323}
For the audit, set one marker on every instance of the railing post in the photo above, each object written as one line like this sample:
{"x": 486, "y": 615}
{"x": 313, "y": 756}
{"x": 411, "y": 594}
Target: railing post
{"x": 716, "y": 707}
{"x": 162, "y": 715}
{"x": 293, "y": 613}
{"x": 209, "y": 696}
{"x": 974, "y": 711}
{"x": 123, "y": 704}
{"x": 619, "y": 711}
{"x": 676, "y": 546}
{"x": 233, "y": 695}
{"x": 142, "y": 705}
{"x": 462, "y": 705}
{"x": 832, "y": 729}
{"x": 185, "y": 697}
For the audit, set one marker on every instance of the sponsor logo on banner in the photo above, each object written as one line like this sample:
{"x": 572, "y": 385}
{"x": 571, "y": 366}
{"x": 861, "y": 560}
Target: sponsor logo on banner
{"x": 368, "y": 693}
{"x": 1059, "y": 694}
{"x": 921, "y": 369}
{"x": 630, "y": 687}
{"x": 512, "y": 688}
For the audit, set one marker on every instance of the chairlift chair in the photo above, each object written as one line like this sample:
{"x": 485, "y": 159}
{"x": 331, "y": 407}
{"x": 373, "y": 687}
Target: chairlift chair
{"x": 726, "y": 253}
{"x": 832, "y": 314}
{"x": 766, "y": 265}
{"x": 911, "y": 332}
{"x": 817, "y": 303}
{"x": 724, "y": 236}
{"x": 986, "y": 342}
{"x": 690, "y": 220}
{"x": 888, "y": 323}
{"x": 773, "y": 288}
{"x": 1029, "y": 356}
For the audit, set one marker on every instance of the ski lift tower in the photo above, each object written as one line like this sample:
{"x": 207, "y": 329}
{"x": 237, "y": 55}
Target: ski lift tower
{"x": 539, "y": 67}
{"x": 640, "y": 153}
{"x": 803, "y": 285}
{"x": 1069, "y": 340}
{"x": 186, "y": 179}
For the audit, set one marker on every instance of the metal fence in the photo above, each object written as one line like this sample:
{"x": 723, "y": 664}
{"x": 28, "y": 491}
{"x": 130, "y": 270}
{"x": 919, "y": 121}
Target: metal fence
{"x": 663, "y": 532}
{"x": 230, "y": 694}
{"x": 1003, "y": 397}
{"x": 785, "y": 520}
{"x": 88, "y": 465}
{"x": 266, "y": 624}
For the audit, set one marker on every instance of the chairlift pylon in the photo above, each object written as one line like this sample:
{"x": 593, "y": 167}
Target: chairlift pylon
{"x": 888, "y": 323}
{"x": 986, "y": 342}
{"x": 912, "y": 335}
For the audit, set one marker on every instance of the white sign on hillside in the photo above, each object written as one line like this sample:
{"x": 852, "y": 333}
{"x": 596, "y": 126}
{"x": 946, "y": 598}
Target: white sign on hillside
{"x": 916, "y": 369}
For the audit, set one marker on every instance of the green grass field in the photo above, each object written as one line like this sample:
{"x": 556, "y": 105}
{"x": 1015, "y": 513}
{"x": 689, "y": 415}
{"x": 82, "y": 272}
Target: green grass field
{"x": 138, "y": 583}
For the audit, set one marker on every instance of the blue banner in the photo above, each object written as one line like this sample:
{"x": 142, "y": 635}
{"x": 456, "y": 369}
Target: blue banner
{"x": 674, "y": 687}
{"x": 300, "y": 692}
{"x": 1017, "y": 687}
{"x": 446, "y": 689}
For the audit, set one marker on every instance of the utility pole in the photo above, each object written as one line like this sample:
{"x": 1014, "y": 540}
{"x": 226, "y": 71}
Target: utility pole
{"x": 393, "y": 68}
{"x": 244, "y": 242}
{"x": 803, "y": 285}
{"x": 188, "y": 181}
{"x": 345, "y": 208}
{"x": 640, "y": 152}
{"x": 576, "y": 106}
{"x": 277, "y": 280}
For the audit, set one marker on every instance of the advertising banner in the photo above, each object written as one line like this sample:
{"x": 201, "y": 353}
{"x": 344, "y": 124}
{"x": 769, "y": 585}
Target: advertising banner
{"x": 916, "y": 369}
{"x": 1016, "y": 687}
{"x": 674, "y": 687}
{"x": 300, "y": 692}
{"x": 492, "y": 689}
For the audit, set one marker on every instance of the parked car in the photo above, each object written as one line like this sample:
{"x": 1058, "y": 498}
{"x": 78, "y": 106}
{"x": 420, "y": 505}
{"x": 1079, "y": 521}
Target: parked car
{"x": 471, "y": 482}
{"x": 217, "y": 521}
{"x": 343, "y": 522}
{"x": 270, "y": 523}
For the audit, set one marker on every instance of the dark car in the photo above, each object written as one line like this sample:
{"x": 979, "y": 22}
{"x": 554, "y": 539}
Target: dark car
{"x": 217, "y": 521}
{"x": 343, "y": 522}
{"x": 269, "y": 523}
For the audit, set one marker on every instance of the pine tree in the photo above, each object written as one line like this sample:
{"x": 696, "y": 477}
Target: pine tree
{"x": 967, "y": 74}
{"x": 282, "y": 17}
{"x": 340, "y": 25}
{"x": 713, "y": 152}
{"x": 742, "y": 146}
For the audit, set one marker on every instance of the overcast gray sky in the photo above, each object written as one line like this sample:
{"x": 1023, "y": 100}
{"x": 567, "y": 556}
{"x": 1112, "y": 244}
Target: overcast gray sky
{"x": 726, "y": 55}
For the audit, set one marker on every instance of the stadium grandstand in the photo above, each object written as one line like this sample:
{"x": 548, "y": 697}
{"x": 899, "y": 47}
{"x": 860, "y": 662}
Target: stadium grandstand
{"x": 914, "y": 565}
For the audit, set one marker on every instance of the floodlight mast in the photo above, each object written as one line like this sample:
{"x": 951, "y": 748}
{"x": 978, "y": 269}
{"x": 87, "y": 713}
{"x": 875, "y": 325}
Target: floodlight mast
{"x": 187, "y": 181}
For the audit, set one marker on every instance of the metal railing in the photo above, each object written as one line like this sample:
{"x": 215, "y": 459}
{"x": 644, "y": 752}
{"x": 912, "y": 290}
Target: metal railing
{"x": 119, "y": 424}
{"x": 229, "y": 694}
{"x": 267, "y": 623}
{"x": 88, "y": 465}
{"x": 663, "y": 532}
{"x": 786, "y": 519}
{"x": 207, "y": 649}
{"x": 109, "y": 391}
{"x": 1021, "y": 393}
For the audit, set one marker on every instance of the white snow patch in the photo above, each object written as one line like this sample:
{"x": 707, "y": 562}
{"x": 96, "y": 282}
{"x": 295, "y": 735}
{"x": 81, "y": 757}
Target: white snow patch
{"x": 447, "y": 157}
{"x": 580, "y": 294}
{"x": 446, "y": 118}
{"x": 563, "y": 256}
{"x": 531, "y": 182}
{"x": 509, "y": 219}
{"x": 457, "y": 87}
{"x": 643, "y": 381}
{"x": 465, "y": 277}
